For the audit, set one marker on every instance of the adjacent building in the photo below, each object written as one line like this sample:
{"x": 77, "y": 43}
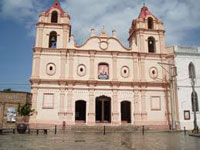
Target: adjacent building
{"x": 9, "y": 102}
{"x": 100, "y": 81}
{"x": 186, "y": 57}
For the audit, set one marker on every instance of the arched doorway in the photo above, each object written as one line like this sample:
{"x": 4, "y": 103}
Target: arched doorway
{"x": 126, "y": 112}
{"x": 80, "y": 109}
{"x": 103, "y": 109}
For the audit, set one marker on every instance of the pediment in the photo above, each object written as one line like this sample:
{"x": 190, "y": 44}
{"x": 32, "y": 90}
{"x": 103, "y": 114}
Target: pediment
{"x": 102, "y": 44}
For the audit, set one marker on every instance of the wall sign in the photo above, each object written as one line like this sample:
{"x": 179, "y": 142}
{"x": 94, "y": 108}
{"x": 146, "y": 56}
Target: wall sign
{"x": 11, "y": 114}
{"x": 186, "y": 114}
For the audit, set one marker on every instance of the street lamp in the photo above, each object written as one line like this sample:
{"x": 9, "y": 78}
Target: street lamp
{"x": 192, "y": 76}
{"x": 172, "y": 74}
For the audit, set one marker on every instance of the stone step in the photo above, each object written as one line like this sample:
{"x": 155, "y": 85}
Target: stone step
{"x": 100, "y": 128}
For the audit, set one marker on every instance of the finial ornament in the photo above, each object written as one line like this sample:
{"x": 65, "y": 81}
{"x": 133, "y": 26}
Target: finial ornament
{"x": 103, "y": 32}
{"x": 92, "y": 32}
{"x": 114, "y": 33}
{"x": 144, "y": 2}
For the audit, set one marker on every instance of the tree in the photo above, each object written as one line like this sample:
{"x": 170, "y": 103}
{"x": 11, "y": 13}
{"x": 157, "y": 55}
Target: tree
{"x": 25, "y": 110}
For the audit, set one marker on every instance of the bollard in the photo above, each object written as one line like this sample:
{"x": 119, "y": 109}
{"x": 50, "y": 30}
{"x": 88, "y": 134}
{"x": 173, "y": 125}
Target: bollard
{"x": 184, "y": 131}
{"x": 142, "y": 130}
{"x": 104, "y": 130}
{"x": 13, "y": 131}
{"x": 29, "y": 130}
{"x": 55, "y": 129}
{"x": 37, "y": 131}
{"x": 63, "y": 125}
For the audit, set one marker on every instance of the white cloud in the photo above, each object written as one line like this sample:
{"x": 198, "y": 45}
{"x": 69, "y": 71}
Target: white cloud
{"x": 179, "y": 16}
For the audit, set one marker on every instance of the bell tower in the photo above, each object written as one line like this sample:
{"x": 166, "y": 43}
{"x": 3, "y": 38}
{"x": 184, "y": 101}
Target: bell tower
{"x": 49, "y": 58}
{"x": 147, "y": 33}
{"x": 53, "y": 32}
{"x": 53, "y": 28}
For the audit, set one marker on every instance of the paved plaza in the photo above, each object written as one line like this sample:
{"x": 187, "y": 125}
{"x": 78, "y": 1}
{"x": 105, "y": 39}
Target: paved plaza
{"x": 98, "y": 141}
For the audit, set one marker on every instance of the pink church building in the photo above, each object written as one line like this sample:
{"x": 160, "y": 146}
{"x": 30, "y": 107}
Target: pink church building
{"x": 101, "y": 81}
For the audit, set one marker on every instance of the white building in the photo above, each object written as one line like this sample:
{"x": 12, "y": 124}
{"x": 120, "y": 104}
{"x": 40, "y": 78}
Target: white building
{"x": 185, "y": 56}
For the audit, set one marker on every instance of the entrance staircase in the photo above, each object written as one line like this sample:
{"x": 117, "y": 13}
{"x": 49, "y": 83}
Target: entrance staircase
{"x": 101, "y": 128}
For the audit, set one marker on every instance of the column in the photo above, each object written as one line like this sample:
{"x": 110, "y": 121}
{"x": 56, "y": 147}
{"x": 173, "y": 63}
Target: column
{"x": 114, "y": 62}
{"x": 71, "y": 62}
{"x": 115, "y": 111}
{"x": 136, "y": 107}
{"x": 135, "y": 68}
{"x": 62, "y": 104}
{"x": 92, "y": 67}
{"x": 91, "y": 114}
{"x": 62, "y": 65}
{"x": 69, "y": 113}
{"x": 143, "y": 106}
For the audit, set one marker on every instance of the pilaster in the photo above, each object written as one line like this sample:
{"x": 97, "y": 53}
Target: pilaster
{"x": 143, "y": 106}
{"x": 135, "y": 69}
{"x": 115, "y": 111}
{"x": 91, "y": 112}
{"x": 71, "y": 63}
{"x": 36, "y": 58}
{"x": 62, "y": 65}
{"x": 39, "y": 36}
{"x": 162, "y": 43}
{"x": 62, "y": 104}
{"x": 65, "y": 36}
{"x": 142, "y": 42}
{"x": 137, "y": 114}
{"x": 92, "y": 57}
{"x": 114, "y": 61}
{"x": 34, "y": 104}
{"x": 69, "y": 113}
{"x": 142, "y": 65}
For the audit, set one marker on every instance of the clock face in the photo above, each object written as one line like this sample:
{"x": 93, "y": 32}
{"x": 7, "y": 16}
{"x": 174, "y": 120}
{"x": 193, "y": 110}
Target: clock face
{"x": 103, "y": 45}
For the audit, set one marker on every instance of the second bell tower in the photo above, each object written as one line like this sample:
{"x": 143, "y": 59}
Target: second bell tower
{"x": 147, "y": 33}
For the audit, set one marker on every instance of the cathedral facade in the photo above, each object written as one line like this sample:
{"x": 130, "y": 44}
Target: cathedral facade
{"x": 100, "y": 81}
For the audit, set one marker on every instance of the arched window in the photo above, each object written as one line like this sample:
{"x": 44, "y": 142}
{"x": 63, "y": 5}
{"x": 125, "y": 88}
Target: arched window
{"x": 191, "y": 70}
{"x": 195, "y": 103}
{"x": 151, "y": 45}
{"x": 150, "y": 23}
{"x": 54, "y": 17}
{"x": 53, "y": 39}
{"x": 103, "y": 71}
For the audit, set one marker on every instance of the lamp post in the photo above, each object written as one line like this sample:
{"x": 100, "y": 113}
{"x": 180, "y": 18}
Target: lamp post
{"x": 172, "y": 74}
{"x": 192, "y": 76}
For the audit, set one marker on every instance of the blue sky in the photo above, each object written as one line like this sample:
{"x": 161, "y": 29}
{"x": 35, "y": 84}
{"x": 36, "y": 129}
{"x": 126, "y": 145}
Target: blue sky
{"x": 18, "y": 19}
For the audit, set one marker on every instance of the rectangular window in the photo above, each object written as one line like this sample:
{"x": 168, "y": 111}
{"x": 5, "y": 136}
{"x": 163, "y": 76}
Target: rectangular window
{"x": 155, "y": 103}
{"x": 48, "y": 101}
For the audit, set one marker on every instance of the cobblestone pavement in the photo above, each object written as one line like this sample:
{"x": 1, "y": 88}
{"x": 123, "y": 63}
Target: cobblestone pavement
{"x": 98, "y": 141}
